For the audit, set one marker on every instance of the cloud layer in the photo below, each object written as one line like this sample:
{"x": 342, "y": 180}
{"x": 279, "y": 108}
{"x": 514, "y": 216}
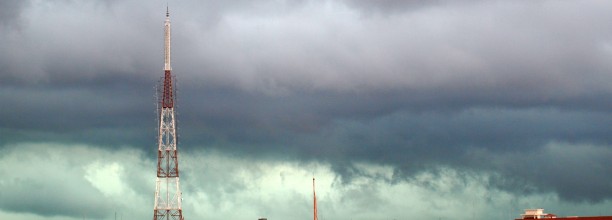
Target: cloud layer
{"x": 47, "y": 183}
{"x": 509, "y": 96}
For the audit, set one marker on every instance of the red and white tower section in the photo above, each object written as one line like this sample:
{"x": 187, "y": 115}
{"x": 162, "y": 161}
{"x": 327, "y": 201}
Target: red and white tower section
{"x": 168, "y": 194}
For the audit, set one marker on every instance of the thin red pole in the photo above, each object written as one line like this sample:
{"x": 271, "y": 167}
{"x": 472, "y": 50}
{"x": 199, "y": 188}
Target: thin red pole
{"x": 314, "y": 194}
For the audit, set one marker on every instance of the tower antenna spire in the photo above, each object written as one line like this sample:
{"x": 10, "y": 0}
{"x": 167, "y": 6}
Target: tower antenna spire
{"x": 167, "y": 40}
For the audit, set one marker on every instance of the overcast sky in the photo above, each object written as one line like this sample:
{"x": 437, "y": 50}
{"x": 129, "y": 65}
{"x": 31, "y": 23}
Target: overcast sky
{"x": 439, "y": 109}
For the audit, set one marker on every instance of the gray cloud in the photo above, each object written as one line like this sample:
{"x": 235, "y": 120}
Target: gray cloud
{"x": 38, "y": 179}
{"x": 537, "y": 171}
{"x": 424, "y": 86}
{"x": 98, "y": 182}
{"x": 397, "y": 6}
{"x": 10, "y": 11}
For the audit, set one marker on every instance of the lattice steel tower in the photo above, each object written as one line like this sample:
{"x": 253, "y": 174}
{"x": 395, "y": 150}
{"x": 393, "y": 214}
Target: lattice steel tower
{"x": 168, "y": 194}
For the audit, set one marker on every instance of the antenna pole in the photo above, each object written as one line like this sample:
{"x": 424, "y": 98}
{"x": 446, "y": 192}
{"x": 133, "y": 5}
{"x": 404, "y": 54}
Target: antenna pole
{"x": 314, "y": 196}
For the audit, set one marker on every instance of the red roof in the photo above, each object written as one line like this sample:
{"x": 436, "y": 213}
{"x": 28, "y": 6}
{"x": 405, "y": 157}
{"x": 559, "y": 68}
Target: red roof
{"x": 582, "y": 218}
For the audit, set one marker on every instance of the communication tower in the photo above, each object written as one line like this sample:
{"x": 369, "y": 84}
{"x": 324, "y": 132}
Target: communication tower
{"x": 168, "y": 196}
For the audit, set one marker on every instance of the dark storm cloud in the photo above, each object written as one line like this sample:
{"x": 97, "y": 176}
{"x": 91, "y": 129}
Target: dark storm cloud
{"x": 320, "y": 81}
{"x": 110, "y": 115}
{"x": 413, "y": 141}
{"x": 557, "y": 167}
